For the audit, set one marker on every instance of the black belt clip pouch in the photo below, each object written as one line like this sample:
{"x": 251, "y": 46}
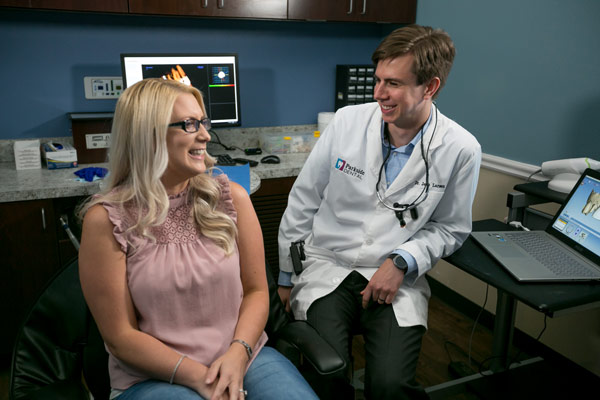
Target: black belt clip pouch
{"x": 297, "y": 253}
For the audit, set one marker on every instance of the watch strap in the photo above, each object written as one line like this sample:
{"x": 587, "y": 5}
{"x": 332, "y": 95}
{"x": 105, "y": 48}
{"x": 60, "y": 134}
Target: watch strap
{"x": 399, "y": 261}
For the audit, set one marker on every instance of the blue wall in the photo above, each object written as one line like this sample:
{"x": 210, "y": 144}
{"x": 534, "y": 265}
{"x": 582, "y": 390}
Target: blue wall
{"x": 526, "y": 79}
{"x": 287, "y": 69}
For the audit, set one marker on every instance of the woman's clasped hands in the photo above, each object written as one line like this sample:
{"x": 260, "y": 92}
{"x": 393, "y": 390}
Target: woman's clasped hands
{"x": 226, "y": 374}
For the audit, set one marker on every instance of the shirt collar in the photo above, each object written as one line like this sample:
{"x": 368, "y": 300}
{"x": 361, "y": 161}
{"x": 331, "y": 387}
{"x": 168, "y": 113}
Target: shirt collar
{"x": 407, "y": 148}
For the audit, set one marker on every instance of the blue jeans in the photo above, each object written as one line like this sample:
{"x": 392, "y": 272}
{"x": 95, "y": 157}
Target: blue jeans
{"x": 271, "y": 376}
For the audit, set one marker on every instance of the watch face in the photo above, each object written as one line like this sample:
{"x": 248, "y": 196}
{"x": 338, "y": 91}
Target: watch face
{"x": 400, "y": 262}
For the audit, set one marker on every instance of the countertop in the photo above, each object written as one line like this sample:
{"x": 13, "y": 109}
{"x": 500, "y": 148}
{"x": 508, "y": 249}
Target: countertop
{"x": 48, "y": 184}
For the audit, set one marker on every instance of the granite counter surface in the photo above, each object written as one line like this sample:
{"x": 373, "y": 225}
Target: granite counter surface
{"x": 48, "y": 184}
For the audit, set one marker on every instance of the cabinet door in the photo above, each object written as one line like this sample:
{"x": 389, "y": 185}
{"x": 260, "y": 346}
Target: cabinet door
{"x": 269, "y": 203}
{"x": 28, "y": 259}
{"x": 396, "y": 11}
{"x": 173, "y": 7}
{"x": 393, "y": 11}
{"x": 331, "y": 10}
{"x": 73, "y": 5}
{"x": 272, "y": 9}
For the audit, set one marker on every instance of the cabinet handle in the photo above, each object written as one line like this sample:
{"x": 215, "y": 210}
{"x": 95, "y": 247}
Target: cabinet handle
{"x": 351, "y": 7}
{"x": 43, "y": 219}
{"x": 364, "y": 11}
{"x": 204, "y": 3}
{"x": 221, "y": 4}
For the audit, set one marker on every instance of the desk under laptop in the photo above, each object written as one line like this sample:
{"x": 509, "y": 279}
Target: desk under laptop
{"x": 553, "y": 299}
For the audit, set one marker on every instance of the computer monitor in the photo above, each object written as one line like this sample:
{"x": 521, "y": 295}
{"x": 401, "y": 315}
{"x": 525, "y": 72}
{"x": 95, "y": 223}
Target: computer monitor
{"x": 215, "y": 75}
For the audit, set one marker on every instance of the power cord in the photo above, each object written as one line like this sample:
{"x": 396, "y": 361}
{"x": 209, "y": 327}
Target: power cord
{"x": 218, "y": 141}
{"x": 459, "y": 368}
{"x": 537, "y": 339}
{"x": 487, "y": 290}
{"x": 464, "y": 370}
{"x": 457, "y": 347}
{"x": 519, "y": 225}
{"x": 532, "y": 174}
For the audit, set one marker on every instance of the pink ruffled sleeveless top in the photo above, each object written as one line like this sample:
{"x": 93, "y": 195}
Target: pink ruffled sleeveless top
{"x": 186, "y": 292}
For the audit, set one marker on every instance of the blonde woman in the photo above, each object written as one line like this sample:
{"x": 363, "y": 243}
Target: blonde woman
{"x": 172, "y": 263}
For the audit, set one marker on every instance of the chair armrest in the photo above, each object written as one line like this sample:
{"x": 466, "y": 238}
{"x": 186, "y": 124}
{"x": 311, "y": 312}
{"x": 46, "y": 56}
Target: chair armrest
{"x": 303, "y": 337}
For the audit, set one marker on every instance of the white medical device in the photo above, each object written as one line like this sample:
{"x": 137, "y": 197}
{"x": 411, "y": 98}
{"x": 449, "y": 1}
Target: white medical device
{"x": 565, "y": 173}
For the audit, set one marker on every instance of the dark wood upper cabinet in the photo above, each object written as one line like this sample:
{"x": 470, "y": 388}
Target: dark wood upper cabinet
{"x": 117, "y": 6}
{"x": 332, "y": 10}
{"x": 267, "y": 9}
{"x": 392, "y": 11}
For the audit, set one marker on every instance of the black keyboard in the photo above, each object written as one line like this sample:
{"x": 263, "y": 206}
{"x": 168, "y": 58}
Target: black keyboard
{"x": 242, "y": 161}
{"x": 225, "y": 159}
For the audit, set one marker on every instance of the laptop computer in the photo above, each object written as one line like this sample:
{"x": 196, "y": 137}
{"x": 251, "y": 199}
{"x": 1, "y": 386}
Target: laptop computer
{"x": 569, "y": 248}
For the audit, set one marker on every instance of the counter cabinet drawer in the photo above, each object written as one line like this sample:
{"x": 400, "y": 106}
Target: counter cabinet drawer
{"x": 32, "y": 248}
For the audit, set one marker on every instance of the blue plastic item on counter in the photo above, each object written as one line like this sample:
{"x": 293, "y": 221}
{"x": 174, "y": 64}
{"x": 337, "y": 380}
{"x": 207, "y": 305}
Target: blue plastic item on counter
{"x": 90, "y": 172}
{"x": 239, "y": 174}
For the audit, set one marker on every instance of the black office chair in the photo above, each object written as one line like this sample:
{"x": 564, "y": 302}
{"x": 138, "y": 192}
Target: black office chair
{"x": 59, "y": 353}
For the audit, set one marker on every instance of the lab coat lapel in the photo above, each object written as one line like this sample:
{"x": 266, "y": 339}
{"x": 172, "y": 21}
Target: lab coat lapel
{"x": 374, "y": 156}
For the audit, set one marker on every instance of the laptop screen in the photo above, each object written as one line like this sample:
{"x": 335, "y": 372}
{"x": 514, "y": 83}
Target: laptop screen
{"x": 578, "y": 221}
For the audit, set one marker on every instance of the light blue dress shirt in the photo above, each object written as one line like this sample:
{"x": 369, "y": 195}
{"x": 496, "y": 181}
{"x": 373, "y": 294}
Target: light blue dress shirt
{"x": 397, "y": 160}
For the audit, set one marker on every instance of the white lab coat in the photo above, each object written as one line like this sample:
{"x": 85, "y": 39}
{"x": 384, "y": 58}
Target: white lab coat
{"x": 333, "y": 206}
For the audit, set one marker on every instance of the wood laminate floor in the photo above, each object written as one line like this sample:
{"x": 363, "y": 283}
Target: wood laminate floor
{"x": 448, "y": 339}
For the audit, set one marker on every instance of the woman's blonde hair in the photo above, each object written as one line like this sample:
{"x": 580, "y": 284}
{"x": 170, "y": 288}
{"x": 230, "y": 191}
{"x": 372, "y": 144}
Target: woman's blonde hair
{"x": 138, "y": 158}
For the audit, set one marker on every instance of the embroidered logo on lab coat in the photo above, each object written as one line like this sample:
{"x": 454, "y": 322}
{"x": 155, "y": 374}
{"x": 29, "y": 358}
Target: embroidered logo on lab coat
{"x": 345, "y": 167}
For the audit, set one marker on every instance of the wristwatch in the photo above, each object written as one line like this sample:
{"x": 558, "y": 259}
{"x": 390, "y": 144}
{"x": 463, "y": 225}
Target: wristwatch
{"x": 399, "y": 262}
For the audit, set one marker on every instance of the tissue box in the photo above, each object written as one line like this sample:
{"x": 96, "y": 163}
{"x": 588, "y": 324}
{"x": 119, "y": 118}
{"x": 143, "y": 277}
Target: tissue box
{"x": 59, "y": 155}
{"x": 27, "y": 154}
{"x": 281, "y": 143}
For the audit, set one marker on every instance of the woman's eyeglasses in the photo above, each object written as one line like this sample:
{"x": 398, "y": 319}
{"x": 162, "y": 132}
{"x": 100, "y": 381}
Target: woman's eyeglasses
{"x": 192, "y": 125}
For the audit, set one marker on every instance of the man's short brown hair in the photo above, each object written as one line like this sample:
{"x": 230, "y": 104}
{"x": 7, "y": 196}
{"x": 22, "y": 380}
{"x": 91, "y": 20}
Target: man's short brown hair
{"x": 432, "y": 49}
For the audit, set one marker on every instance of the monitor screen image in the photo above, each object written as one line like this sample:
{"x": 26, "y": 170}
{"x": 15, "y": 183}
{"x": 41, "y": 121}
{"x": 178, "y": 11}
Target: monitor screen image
{"x": 215, "y": 75}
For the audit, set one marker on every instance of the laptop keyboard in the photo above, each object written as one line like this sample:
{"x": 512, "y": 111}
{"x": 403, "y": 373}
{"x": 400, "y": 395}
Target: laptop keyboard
{"x": 559, "y": 262}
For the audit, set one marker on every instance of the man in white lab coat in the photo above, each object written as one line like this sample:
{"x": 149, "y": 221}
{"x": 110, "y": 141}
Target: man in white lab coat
{"x": 386, "y": 192}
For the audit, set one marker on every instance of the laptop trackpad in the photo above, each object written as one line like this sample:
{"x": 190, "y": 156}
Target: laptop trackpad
{"x": 510, "y": 251}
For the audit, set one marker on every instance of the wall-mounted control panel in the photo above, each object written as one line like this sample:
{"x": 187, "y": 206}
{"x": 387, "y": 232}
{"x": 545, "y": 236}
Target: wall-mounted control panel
{"x": 91, "y": 136}
{"x": 102, "y": 87}
{"x": 97, "y": 140}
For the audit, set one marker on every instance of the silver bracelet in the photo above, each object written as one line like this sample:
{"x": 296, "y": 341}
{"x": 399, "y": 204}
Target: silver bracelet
{"x": 175, "y": 369}
{"x": 246, "y": 345}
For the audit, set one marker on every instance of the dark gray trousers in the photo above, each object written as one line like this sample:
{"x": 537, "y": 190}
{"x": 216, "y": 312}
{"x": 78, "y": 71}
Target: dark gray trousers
{"x": 391, "y": 351}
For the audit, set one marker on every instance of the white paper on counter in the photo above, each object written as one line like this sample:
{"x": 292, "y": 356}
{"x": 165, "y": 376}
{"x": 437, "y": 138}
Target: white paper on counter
{"x": 27, "y": 154}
